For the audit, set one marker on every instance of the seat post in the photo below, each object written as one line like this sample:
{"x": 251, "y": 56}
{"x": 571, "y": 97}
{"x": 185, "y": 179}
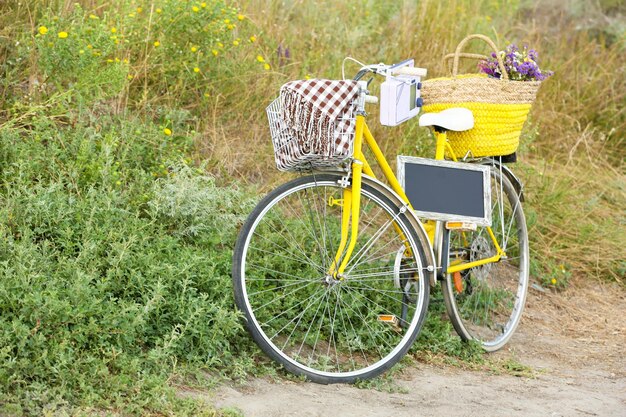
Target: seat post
{"x": 441, "y": 139}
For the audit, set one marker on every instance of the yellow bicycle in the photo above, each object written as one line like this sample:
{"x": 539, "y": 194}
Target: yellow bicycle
{"x": 332, "y": 270}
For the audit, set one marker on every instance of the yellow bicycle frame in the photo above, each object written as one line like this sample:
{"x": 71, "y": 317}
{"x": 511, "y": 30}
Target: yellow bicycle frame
{"x": 352, "y": 201}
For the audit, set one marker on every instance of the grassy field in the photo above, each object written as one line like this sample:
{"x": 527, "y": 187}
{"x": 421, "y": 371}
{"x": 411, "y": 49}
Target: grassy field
{"x": 133, "y": 143}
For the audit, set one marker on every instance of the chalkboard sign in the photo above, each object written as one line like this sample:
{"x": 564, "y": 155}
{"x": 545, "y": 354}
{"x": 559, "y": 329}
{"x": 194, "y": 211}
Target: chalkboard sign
{"x": 446, "y": 190}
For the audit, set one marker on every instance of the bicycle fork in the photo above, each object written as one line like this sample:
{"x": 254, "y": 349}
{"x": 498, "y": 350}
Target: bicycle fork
{"x": 352, "y": 198}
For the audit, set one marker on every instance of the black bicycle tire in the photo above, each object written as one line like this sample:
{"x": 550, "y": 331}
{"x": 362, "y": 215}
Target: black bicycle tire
{"x": 368, "y": 186}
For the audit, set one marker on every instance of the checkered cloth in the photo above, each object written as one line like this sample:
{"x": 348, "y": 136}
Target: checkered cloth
{"x": 319, "y": 115}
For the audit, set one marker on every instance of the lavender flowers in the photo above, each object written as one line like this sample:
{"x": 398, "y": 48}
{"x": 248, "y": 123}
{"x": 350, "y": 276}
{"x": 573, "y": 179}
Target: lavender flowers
{"x": 520, "y": 65}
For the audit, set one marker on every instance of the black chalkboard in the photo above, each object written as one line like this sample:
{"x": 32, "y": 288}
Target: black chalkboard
{"x": 445, "y": 190}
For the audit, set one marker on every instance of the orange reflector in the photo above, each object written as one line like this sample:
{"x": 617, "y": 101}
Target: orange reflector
{"x": 466, "y": 226}
{"x": 458, "y": 282}
{"x": 388, "y": 318}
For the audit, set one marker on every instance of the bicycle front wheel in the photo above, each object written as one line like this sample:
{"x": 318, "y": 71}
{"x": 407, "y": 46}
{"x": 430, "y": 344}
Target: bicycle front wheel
{"x": 326, "y": 329}
{"x": 485, "y": 303}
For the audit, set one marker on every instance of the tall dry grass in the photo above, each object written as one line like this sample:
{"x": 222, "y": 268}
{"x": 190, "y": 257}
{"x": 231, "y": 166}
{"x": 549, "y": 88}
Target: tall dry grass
{"x": 573, "y": 150}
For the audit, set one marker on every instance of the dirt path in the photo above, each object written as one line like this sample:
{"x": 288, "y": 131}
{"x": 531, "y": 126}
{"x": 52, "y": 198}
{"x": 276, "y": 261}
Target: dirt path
{"x": 575, "y": 342}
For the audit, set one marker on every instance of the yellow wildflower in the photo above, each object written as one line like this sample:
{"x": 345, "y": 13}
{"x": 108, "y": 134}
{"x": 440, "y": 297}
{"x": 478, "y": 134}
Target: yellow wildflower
{"x": 43, "y": 30}
{"x": 157, "y": 43}
{"x": 63, "y": 35}
{"x": 252, "y": 38}
{"x": 139, "y": 10}
{"x": 118, "y": 183}
{"x": 203, "y": 5}
{"x": 266, "y": 66}
{"x": 113, "y": 30}
{"x": 159, "y": 10}
{"x": 194, "y": 49}
{"x": 131, "y": 14}
{"x": 215, "y": 52}
{"x": 220, "y": 44}
{"x": 307, "y": 77}
{"x": 260, "y": 58}
{"x": 553, "y": 281}
{"x": 89, "y": 46}
{"x": 227, "y": 21}
{"x": 195, "y": 9}
{"x": 125, "y": 61}
{"x": 207, "y": 95}
{"x": 236, "y": 43}
{"x": 240, "y": 17}
{"x": 230, "y": 27}
{"x": 82, "y": 51}
{"x": 167, "y": 131}
{"x": 117, "y": 60}
{"x": 196, "y": 69}
{"x": 93, "y": 16}
{"x": 109, "y": 61}
{"x": 130, "y": 77}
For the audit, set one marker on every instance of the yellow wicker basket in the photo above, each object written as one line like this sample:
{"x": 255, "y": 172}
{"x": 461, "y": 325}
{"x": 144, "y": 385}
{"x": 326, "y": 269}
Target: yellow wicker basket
{"x": 500, "y": 106}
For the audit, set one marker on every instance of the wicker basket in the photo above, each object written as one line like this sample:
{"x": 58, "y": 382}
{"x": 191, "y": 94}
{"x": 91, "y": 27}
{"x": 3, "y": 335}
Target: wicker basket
{"x": 500, "y": 106}
{"x": 312, "y": 124}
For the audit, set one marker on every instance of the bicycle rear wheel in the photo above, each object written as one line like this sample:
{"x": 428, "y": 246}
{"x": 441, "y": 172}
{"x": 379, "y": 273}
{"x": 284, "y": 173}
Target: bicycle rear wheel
{"x": 485, "y": 303}
{"x": 330, "y": 330}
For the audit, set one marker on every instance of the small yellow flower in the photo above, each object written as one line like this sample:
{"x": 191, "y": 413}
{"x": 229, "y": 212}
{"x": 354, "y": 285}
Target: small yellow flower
{"x": 93, "y": 16}
{"x": 253, "y": 38}
{"x": 196, "y": 69}
{"x": 158, "y": 10}
{"x": 109, "y": 61}
{"x": 215, "y": 52}
{"x": 43, "y": 30}
{"x": 195, "y": 9}
{"x": 260, "y": 58}
{"x": 203, "y": 5}
{"x": 220, "y": 45}
{"x": 167, "y": 131}
{"x": 240, "y": 17}
{"x": 236, "y": 43}
{"x": 553, "y": 281}
{"x": 266, "y": 66}
{"x": 207, "y": 95}
{"x": 157, "y": 43}
{"x": 63, "y": 35}
{"x": 89, "y": 46}
{"x": 230, "y": 27}
{"x": 117, "y": 60}
{"x": 113, "y": 30}
{"x": 227, "y": 21}
{"x": 130, "y": 77}
{"x": 118, "y": 183}
{"x": 194, "y": 49}
{"x": 125, "y": 60}
{"x": 117, "y": 42}
{"x": 131, "y": 14}
{"x": 307, "y": 77}
{"x": 82, "y": 51}
{"x": 139, "y": 10}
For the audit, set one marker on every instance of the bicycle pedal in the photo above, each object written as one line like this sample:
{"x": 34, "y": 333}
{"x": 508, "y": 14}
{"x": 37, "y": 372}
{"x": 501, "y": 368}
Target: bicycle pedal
{"x": 462, "y": 226}
{"x": 388, "y": 318}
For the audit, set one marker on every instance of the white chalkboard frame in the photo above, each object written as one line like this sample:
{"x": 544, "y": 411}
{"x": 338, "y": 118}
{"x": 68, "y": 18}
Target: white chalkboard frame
{"x": 473, "y": 185}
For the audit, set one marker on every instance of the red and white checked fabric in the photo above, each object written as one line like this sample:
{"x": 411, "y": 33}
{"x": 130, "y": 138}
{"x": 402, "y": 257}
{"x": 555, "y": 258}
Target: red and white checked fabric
{"x": 332, "y": 97}
{"x": 320, "y": 116}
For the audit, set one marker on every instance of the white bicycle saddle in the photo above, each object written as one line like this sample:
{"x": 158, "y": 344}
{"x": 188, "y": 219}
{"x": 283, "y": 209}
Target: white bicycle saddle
{"x": 456, "y": 119}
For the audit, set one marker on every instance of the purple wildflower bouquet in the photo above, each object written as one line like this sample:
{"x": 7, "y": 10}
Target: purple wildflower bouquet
{"x": 520, "y": 65}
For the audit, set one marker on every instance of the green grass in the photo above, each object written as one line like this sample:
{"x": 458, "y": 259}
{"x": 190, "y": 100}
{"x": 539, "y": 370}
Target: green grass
{"x": 125, "y": 175}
